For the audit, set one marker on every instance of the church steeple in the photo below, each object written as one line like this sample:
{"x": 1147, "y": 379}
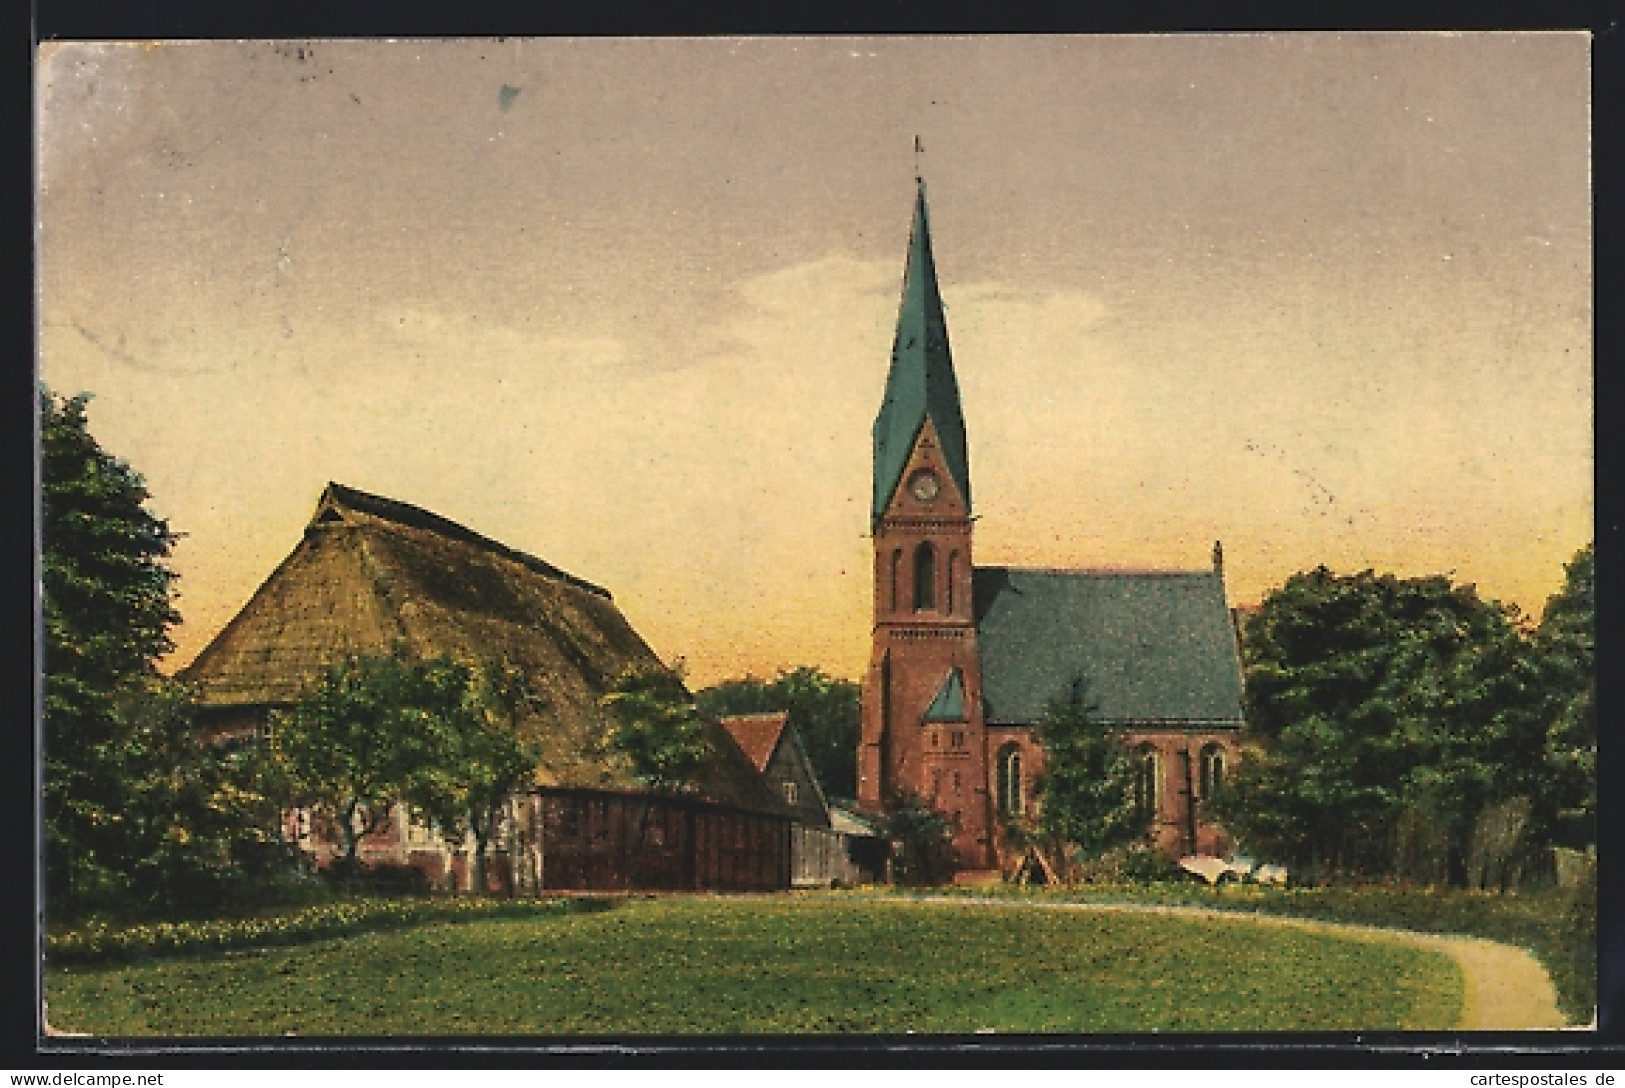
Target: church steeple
{"x": 923, "y": 735}
{"x": 920, "y": 384}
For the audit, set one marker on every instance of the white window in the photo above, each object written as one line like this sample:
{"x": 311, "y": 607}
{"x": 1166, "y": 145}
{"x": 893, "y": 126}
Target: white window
{"x": 1011, "y": 794}
{"x": 1147, "y": 783}
{"x": 1212, "y": 770}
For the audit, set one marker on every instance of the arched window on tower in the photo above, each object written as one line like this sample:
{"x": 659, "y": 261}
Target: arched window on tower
{"x": 1012, "y": 796}
{"x": 896, "y": 575}
{"x": 925, "y": 577}
{"x": 1212, "y": 770}
{"x": 953, "y": 576}
{"x": 1147, "y": 783}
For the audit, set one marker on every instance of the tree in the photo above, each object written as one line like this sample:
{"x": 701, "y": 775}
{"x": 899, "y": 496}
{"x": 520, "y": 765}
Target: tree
{"x": 368, "y": 731}
{"x": 203, "y": 826}
{"x": 1566, "y": 640}
{"x": 439, "y": 737}
{"x": 1375, "y": 702}
{"x": 657, "y": 727}
{"x": 825, "y": 713}
{"x": 485, "y": 762}
{"x": 139, "y": 817}
{"x": 923, "y": 841}
{"x": 107, "y": 610}
{"x": 1087, "y": 795}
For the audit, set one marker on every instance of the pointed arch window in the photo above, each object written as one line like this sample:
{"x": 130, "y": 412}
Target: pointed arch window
{"x": 925, "y": 578}
{"x": 953, "y": 576}
{"x": 1212, "y": 770}
{"x": 896, "y": 575}
{"x": 1147, "y": 783}
{"x": 1012, "y": 796}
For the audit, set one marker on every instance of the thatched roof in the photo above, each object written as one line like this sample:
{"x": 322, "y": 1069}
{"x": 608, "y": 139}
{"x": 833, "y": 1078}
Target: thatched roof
{"x": 372, "y": 574}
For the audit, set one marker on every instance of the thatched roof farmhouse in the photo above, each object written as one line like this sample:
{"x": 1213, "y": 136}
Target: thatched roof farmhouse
{"x": 371, "y": 574}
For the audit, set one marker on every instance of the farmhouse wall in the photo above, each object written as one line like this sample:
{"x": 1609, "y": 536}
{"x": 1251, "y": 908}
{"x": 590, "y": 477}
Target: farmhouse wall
{"x": 608, "y": 840}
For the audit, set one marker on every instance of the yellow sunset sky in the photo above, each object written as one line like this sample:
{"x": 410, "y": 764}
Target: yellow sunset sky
{"x": 627, "y": 304}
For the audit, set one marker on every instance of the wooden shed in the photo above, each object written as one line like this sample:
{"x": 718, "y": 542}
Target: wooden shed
{"x": 828, "y": 846}
{"x": 372, "y": 575}
{"x": 606, "y": 839}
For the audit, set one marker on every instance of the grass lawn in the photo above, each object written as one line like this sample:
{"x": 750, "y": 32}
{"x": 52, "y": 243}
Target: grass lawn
{"x": 685, "y": 965}
{"x": 1556, "y": 924}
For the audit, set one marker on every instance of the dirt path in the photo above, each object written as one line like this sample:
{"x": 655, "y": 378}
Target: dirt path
{"x": 1506, "y": 988}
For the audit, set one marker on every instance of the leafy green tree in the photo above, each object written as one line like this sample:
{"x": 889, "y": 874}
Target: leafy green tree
{"x": 1566, "y": 640}
{"x": 922, "y": 841}
{"x": 107, "y": 589}
{"x": 368, "y": 731}
{"x": 657, "y": 727}
{"x": 1086, "y": 793}
{"x": 1370, "y": 697}
{"x": 464, "y": 791}
{"x": 439, "y": 737}
{"x": 203, "y": 827}
{"x": 139, "y": 817}
{"x": 824, "y": 711}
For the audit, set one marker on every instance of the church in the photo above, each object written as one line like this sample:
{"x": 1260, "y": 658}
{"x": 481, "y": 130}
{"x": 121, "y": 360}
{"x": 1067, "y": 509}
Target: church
{"x": 966, "y": 658}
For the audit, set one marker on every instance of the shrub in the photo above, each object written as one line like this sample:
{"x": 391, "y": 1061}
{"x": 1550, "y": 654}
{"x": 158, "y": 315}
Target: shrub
{"x": 1104, "y": 868}
{"x": 98, "y": 942}
{"x": 392, "y": 879}
{"x": 1144, "y": 865}
{"x": 924, "y": 844}
{"x": 382, "y": 878}
{"x": 1573, "y": 962}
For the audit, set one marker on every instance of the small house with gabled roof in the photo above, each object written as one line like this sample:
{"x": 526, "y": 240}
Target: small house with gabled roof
{"x": 965, "y": 659}
{"x": 775, "y": 749}
{"x": 371, "y": 576}
{"x": 828, "y": 846}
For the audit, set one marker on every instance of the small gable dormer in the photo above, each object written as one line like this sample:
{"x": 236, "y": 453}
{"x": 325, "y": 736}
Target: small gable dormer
{"x": 949, "y": 704}
{"x": 927, "y": 485}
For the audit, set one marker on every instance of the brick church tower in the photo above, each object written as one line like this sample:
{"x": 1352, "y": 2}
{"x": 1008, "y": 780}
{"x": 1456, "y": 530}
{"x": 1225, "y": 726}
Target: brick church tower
{"x": 923, "y": 734}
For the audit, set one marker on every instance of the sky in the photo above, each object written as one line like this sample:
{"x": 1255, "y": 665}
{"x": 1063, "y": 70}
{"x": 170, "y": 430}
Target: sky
{"x": 627, "y": 304}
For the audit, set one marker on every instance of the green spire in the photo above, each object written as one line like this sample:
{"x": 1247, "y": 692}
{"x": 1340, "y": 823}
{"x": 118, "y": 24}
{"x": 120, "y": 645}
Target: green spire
{"x": 921, "y": 381}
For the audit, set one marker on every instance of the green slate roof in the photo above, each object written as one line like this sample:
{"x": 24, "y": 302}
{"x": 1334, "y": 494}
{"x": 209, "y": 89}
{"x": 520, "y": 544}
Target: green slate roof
{"x": 921, "y": 380}
{"x": 949, "y": 705}
{"x": 1154, "y": 647}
